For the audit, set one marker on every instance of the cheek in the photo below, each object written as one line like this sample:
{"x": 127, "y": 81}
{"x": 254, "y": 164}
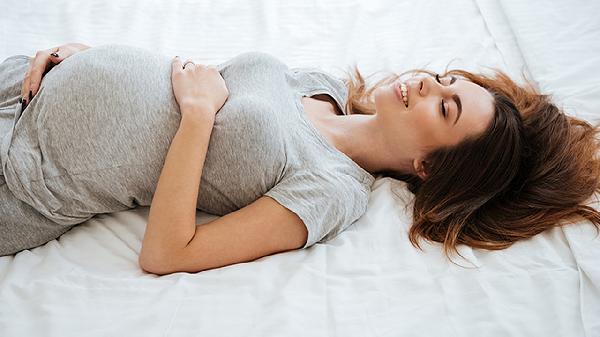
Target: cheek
{"x": 426, "y": 126}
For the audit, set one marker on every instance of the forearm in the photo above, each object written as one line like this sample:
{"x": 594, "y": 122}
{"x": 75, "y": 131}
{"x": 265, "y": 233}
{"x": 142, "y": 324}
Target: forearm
{"x": 172, "y": 219}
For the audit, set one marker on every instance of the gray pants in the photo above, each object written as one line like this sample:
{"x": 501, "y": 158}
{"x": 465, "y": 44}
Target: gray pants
{"x": 21, "y": 226}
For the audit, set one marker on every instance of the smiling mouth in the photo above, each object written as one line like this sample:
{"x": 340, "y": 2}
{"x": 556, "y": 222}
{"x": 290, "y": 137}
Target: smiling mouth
{"x": 402, "y": 92}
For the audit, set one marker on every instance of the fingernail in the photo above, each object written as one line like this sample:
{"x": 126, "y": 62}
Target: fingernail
{"x": 30, "y": 95}
{"x": 54, "y": 54}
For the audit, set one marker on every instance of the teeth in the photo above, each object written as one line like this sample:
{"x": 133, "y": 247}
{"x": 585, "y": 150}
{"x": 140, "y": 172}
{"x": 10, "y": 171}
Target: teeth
{"x": 404, "y": 93}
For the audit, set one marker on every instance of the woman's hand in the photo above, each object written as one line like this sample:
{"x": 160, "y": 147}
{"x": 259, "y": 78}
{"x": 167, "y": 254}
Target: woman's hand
{"x": 43, "y": 61}
{"x": 198, "y": 89}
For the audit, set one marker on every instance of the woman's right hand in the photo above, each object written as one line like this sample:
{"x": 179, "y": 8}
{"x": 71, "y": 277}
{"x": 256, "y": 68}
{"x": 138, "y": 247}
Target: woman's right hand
{"x": 198, "y": 89}
{"x": 43, "y": 61}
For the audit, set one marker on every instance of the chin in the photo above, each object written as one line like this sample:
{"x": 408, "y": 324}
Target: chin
{"x": 387, "y": 102}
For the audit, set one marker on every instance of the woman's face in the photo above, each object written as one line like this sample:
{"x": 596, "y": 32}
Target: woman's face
{"x": 424, "y": 125}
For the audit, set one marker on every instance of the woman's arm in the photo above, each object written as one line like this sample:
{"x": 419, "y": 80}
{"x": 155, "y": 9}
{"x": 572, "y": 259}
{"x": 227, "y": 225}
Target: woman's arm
{"x": 172, "y": 219}
{"x": 200, "y": 92}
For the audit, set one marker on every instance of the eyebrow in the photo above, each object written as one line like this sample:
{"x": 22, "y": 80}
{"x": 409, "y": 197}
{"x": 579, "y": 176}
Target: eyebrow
{"x": 457, "y": 101}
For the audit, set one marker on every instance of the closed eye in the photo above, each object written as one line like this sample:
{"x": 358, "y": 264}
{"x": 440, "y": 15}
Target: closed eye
{"x": 442, "y": 108}
{"x": 454, "y": 97}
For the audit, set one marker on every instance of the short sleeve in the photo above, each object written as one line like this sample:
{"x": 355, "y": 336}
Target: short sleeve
{"x": 327, "y": 205}
{"x": 311, "y": 78}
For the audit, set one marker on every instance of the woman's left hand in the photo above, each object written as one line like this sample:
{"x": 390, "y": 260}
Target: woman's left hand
{"x": 198, "y": 89}
{"x": 41, "y": 63}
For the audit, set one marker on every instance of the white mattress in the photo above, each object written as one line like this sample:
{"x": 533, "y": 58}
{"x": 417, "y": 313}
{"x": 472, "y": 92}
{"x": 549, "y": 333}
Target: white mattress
{"x": 369, "y": 281}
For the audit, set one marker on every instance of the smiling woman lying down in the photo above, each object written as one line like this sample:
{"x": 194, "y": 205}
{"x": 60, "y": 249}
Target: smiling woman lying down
{"x": 489, "y": 162}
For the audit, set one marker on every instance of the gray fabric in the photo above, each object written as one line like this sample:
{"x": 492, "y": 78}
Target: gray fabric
{"x": 21, "y": 226}
{"x": 94, "y": 140}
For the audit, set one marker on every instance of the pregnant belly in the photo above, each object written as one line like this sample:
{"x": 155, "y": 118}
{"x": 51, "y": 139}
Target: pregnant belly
{"x": 108, "y": 106}
{"x": 94, "y": 138}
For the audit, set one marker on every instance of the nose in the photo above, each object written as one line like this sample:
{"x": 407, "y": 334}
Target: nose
{"x": 430, "y": 85}
{"x": 417, "y": 87}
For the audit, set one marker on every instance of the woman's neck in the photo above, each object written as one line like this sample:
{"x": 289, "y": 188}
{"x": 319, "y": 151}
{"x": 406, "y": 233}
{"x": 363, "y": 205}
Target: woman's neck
{"x": 358, "y": 136}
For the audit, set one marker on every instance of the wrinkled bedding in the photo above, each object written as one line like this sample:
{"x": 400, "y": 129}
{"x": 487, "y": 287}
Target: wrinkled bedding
{"x": 369, "y": 281}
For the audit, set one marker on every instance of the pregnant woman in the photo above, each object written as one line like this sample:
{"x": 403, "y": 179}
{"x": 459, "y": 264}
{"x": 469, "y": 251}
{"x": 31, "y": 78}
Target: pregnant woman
{"x": 286, "y": 156}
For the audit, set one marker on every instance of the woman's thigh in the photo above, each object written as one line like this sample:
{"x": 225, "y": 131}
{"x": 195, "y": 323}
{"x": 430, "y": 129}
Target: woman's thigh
{"x": 21, "y": 226}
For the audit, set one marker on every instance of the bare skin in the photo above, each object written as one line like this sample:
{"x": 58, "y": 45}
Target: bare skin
{"x": 398, "y": 137}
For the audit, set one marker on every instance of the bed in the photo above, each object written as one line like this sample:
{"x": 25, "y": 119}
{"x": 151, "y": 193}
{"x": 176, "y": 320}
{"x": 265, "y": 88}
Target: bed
{"x": 368, "y": 281}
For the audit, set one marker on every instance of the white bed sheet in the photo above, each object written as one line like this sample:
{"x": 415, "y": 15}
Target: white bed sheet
{"x": 560, "y": 45}
{"x": 369, "y": 281}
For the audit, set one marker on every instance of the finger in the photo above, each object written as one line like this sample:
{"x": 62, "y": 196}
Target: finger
{"x": 57, "y": 54}
{"x": 42, "y": 58}
{"x": 176, "y": 65}
{"x": 189, "y": 64}
{"x": 25, "y": 84}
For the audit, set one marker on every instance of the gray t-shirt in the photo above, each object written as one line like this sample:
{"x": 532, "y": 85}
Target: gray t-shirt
{"x": 95, "y": 137}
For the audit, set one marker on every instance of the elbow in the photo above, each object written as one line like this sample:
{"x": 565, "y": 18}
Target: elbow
{"x": 154, "y": 264}
{"x": 150, "y": 266}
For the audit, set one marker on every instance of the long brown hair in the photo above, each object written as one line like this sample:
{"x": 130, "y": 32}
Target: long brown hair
{"x": 532, "y": 169}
